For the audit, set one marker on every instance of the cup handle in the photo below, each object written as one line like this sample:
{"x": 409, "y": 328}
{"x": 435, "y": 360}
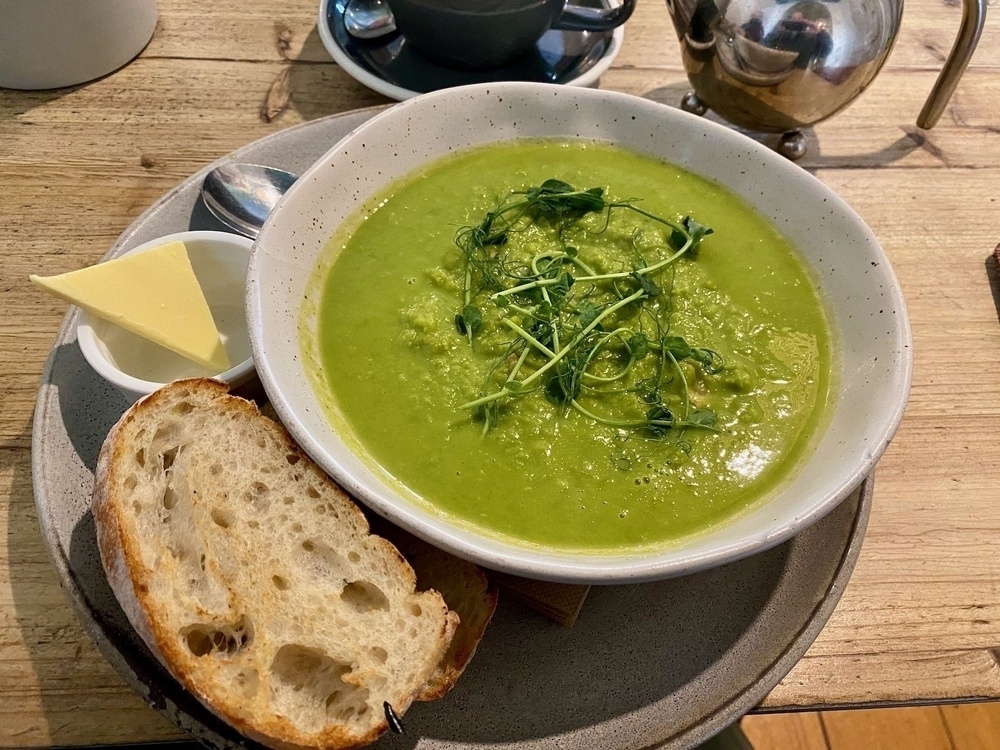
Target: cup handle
{"x": 579, "y": 18}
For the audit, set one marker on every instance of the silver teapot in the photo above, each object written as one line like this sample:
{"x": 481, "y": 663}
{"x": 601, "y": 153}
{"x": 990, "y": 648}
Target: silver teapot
{"x": 777, "y": 66}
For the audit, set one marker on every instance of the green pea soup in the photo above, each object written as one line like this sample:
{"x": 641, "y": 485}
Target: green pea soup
{"x": 395, "y": 373}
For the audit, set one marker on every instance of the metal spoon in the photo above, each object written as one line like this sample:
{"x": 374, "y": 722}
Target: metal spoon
{"x": 242, "y": 195}
{"x": 368, "y": 19}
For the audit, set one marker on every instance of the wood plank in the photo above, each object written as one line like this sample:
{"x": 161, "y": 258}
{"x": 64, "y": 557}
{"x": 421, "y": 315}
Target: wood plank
{"x": 881, "y": 729}
{"x": 973, "y": 726}
{"x": 234, "y": 30}
{"x": 168, "y": 106}
{"x": 889, "y": 677}
{"x": 163, "y": 135}
{"x": 795, "y": 731}
{"x": 968, "y": 726}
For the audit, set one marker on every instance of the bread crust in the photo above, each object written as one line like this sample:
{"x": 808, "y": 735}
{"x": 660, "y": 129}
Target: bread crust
{"x": 129, "y": 577}
{"x": 115, "y": 548}
{"x": 464, "y": 586}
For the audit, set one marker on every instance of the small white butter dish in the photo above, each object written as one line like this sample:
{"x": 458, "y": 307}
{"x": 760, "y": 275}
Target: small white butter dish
{"x": 137, "y": 366}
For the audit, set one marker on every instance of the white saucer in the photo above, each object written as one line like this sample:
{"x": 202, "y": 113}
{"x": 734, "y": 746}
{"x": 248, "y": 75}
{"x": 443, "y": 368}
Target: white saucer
{"x": 387, "y": 65}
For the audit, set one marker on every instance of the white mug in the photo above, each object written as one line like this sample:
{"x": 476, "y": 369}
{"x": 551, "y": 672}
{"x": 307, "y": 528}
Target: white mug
{"x": 47, "y": 44}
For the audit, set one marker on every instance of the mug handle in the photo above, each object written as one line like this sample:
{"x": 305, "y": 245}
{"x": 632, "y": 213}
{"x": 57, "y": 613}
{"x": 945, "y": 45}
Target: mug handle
{"x": 580, "y": 18}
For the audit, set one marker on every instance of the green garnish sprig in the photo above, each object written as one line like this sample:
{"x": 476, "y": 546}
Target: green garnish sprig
{"x": 564, "y": 314}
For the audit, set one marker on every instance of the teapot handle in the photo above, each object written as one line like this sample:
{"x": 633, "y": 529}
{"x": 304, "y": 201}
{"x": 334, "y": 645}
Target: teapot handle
{"x": 973, "y": 18}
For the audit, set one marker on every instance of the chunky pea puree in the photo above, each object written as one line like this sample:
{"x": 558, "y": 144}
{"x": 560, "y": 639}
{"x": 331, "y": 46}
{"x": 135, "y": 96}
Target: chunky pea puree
{"x": 397, "y": 372}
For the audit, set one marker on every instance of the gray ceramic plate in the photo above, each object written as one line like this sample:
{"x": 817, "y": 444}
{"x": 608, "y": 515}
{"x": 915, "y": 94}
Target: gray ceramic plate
{"x": 664, "y": 665}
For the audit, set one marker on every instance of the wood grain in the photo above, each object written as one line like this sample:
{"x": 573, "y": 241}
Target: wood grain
{"x": 911, "y": 728}
{"x": 973, "y": 727}
{"x": 920, "y": 620}
{"x": 970, "y": 726}
{"x": 798, "y": 731}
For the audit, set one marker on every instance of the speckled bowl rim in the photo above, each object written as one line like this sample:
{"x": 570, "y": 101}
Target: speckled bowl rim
{"x": 278, "y": 360}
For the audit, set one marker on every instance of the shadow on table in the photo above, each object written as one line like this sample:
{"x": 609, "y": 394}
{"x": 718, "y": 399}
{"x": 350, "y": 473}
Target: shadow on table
{"x": 993, "y": 276}
{"x": 315, "y": 86}
{"x": 32, "y": 591}
{"x": 814, "y": 159}
{"x": 15, "y": 103}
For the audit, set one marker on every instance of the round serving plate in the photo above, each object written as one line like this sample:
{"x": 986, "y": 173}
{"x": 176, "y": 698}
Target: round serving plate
{"x": 662, "y": 665}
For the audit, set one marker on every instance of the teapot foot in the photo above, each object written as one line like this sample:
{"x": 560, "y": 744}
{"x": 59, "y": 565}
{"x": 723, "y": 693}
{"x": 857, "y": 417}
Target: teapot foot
{"x": 693, "y": 104}
{"x": 792, "y": 145}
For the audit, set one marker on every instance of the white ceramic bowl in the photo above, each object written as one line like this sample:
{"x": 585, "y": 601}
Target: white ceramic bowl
{"x": 850, "y": 268}
{"x": 137, "y": 366}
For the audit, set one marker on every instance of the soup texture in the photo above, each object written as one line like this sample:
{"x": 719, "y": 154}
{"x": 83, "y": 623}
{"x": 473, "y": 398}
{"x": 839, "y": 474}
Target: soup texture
{"x": 569, "y": 345}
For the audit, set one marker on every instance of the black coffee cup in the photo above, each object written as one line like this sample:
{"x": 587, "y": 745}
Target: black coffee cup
{"x": 481, "y": 34}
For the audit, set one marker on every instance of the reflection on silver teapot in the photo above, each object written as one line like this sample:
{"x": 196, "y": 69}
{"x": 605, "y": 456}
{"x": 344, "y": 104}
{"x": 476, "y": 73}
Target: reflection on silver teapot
{"x": 776, "y": 66}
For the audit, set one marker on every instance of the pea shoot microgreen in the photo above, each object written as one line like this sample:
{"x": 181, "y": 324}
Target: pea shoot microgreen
{"x": 578, "y": 334}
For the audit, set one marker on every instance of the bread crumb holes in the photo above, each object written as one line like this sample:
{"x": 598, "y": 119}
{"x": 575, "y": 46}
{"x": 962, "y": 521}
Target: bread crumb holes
{"x": 168, "y": 457}
{"x": 169, "y": 499}
{"x": 364, "y": 597}
{"x": 222, "y": 517}
{"x": 182, "y": 408}
{"x": 205, "y": 639}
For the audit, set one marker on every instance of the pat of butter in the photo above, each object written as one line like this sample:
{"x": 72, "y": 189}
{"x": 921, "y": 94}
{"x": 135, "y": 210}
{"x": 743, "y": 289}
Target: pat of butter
{"x": 154, "y": 294}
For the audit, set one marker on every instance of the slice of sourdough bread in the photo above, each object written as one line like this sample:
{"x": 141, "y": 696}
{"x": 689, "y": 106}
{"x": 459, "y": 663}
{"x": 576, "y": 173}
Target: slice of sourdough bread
{"x": 253, "y": 577}
{"x": 465, "y": 588}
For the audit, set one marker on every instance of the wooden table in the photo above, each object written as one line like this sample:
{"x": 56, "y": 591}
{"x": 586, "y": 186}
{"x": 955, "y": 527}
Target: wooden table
{"x": 920, "y": 620}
